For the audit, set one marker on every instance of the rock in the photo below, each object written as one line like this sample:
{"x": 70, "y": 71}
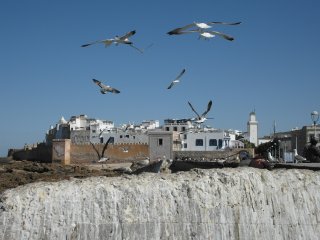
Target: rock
{"x": 139, "y": 164}
{"x": 154, "y": 167}
{"x": 227, "y": 203}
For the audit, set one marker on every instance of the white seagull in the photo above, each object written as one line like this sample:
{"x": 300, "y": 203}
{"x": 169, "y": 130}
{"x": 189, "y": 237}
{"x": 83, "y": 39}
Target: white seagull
{"x": 177, "y": 79}
{"x": 116, "y": 40}
{"x": 105, "y": 88}
{"x": 271, "y": 158}
{"x": 101, "y": 156}
{"x": 201, "y": 118}
{"x": 201, "y": 28}
{"x": 125, "y": 149}
{"x": 297, "y": 157}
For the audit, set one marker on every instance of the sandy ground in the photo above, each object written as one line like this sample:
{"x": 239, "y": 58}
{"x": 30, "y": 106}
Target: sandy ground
{"x": 16, "y": 173}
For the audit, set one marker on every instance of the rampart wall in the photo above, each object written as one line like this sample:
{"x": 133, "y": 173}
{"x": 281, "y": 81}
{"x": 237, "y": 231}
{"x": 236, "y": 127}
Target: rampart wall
{"x": 40, "y": 153}
{"x": 67, "y": 153}
{"x": 86, "y": 153}
{"x": 211, "y": 155}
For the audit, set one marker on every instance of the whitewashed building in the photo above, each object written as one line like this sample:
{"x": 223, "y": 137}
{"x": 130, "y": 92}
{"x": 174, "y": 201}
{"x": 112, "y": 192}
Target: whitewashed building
{"x": 150, "y": 124}
{"x": 213, "y": 140}
{"x": 177, "y": 125}
{"x": 80, "y": 129}
{"x": 187, "y": 137}
{"x": 82, "y": 122}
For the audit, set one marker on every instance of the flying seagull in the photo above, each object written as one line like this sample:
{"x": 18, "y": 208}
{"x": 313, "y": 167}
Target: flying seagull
{"x": 202, "y": 29}
{"x": 101, "y": 156}
{"x": 177, "y": 79}
{"x": 116, "y": 40}
{"x": 201, "y": 118}
{"x": 105, "y": 88}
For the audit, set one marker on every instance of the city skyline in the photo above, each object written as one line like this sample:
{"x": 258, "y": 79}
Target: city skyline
{"x": 271, "y": 66}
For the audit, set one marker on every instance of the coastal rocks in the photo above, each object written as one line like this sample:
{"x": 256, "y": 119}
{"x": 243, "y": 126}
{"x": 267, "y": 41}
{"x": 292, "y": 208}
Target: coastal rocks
{"x": 227, "y": 203}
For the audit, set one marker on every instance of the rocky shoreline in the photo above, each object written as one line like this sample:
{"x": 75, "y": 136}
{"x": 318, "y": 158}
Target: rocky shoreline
{"x": 221, "y": 203}
{"x": 16, "y": 173}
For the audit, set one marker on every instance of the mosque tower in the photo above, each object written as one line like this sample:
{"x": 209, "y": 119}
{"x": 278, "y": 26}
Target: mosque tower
{"x": 252, "y": 128}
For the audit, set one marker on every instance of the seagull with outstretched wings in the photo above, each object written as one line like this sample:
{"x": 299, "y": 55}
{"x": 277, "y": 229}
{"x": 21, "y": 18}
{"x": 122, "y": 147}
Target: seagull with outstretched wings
{"x": 176, "y": 80}
{"x": 105, "y": 88}
{"x": 116, "y": 40}
{"x": 202, "y": 29}
{"x": 101, "y": 156}
{"x": 201, "y": 118}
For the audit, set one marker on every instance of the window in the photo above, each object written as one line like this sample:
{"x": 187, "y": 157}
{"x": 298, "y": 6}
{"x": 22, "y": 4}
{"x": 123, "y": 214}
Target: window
{"x": 213, "y": 142}
{"x": 127, "y": 136}
{"x": 93, "y": 131}
{"x": 199, "y": 142}
{"x": 167, "y": 129}
{"x": 185, "y": 145}
{"x": 220, "y": 143}
{"x": 160, "y": 141}
{"x": 183, "y": 129}
{"x": 175, "y": 129}
{"x": 184, "y": 136}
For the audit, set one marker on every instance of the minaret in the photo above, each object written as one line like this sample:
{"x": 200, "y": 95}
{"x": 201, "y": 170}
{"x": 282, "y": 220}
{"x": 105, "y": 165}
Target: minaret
{"x": 252, "y": 127}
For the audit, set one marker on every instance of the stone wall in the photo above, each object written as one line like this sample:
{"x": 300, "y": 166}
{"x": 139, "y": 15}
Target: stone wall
{"x": 211, "y": 155}
{"x": 160, "y": 144}
{"x": 41, "y": 153}
{"x": 61, "y": 151}
{"x": 86, "y": 154}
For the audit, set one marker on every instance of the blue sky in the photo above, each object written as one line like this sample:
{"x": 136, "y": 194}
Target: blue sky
{"x": 272, "y": 66}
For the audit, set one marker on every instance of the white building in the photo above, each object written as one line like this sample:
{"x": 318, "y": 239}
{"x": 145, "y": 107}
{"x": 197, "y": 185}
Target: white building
{"x": 177, "y": 125}
{"x": 150, "y": 124}
{"x": 187, "y": 137}
{"x": 82, "y": 122}
{"x": 214, "y": 140}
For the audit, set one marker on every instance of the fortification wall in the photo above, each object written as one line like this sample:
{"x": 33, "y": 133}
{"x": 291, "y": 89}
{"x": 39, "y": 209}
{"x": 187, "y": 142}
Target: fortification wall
{"x": 124, "y": 152}
{"x": 40, "y": 153}
{"x": 86, "y": 153}
{"x": 211, "y": 155}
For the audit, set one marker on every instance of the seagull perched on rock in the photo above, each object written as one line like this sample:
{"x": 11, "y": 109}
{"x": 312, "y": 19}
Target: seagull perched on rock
{"x": 116, "y": 40}
{"x": 177, "y": 79}
{"x": 105, "y": 88}
{"x": 201, "y": 118}
{"x": 271, "y": 158}
{"x": 202, "y": 29}
{"x": 297, "y": 157}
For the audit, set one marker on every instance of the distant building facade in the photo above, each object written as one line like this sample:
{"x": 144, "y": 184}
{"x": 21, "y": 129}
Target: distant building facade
{"x": 160, "y": 145}
{"x": 83, "y": 130}
{"x": 297, "y": 138}
{"x": 177, "y": 125}
{"x": 188, "y": 137}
